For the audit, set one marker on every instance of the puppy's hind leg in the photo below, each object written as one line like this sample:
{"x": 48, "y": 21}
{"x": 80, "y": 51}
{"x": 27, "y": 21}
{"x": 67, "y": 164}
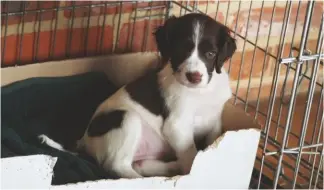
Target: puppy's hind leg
{"x": 122, "y": 145}
{"x": 150, "y": 168}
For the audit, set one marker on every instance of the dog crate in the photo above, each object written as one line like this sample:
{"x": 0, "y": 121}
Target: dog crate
{"x": 276, "y": 73}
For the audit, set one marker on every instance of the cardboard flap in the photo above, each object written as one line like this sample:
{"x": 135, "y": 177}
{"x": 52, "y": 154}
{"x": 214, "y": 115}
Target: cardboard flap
{"x": 234, "y": 118}
{"x": 120, "y": 69}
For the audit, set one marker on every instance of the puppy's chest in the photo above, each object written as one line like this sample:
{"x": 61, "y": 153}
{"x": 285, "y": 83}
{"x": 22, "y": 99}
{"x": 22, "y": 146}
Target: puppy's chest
{"x": 196, "y": 109}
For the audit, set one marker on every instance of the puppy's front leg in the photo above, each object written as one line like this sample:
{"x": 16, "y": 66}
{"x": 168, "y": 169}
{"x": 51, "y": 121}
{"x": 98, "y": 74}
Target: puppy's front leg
{"x": 215, "y": 132}
{"x": 179, "y": 133}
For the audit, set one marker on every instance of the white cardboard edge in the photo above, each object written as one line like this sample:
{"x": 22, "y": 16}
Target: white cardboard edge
{"x": 27, "y": 172}
{"x": 227, "y": 164}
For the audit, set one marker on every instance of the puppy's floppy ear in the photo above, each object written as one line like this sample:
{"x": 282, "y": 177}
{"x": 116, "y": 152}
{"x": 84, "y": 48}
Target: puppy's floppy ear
{"x": 226, "y": 49}
{"x": 162, "y": 38}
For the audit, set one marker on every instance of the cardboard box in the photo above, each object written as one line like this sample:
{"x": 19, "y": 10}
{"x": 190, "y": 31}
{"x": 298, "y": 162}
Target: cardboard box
{"x": 227, "y": 163}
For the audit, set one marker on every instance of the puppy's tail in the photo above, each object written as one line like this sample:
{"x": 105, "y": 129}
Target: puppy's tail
{"x": 49, "y": 142}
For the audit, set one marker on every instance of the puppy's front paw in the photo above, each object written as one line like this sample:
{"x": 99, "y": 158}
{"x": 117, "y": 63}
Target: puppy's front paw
{"x": 187, "y": 160}
{"x": 185, "y": 166}
{"x": 174, "y": 169}
{"x": 186, "y": 170}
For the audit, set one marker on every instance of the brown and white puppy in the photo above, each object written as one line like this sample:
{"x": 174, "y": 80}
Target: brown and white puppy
{"x": 135, "y": 131}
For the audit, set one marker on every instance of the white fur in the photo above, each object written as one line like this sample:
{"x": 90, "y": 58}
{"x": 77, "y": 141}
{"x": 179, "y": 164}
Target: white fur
{"x": 193, "y": 63}
{"x": 194, "y": 111}
{"x": 115, "y": 150}
{"x": 49, "y": 142}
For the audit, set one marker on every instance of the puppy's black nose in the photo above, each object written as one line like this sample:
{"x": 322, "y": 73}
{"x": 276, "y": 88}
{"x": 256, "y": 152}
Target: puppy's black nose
{"x": 194, "y": 77}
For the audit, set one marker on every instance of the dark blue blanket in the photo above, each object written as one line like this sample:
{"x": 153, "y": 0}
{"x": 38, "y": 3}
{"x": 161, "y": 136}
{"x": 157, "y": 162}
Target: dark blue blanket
{"x": 59, "y": 107}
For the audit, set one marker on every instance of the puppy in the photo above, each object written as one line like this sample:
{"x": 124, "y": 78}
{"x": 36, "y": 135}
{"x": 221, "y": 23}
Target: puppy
{"x": 149, "y": 126}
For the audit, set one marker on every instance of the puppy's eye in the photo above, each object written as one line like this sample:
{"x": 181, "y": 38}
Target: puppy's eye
{"x": 210, "y": 55}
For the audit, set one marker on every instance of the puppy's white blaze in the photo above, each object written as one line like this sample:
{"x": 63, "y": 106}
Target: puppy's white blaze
{"x": 196, "y": 35}
{"x": 194, "y": 63}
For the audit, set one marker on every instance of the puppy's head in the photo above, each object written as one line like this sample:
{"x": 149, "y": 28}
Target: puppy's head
{"x": 195, "y": 45}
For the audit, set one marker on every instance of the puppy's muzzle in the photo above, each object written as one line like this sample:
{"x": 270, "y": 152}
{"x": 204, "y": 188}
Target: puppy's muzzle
{"x": 194, "y": 77}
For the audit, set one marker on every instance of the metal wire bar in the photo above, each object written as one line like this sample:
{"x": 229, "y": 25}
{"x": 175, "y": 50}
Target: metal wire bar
{"x": 243, "y": 53}
{"x": 253, "y": 59}
{"x": 87, "y": 31}
{"x": 274, "y": 87}
{"x": 235, "y": 31}
{"x": 55, "y": 30}
{"x": 300, "y": 79}
{"x": 282, "y": 95}
{"x": 68, "y": 45}
{"x": 276, "y": 145}
{"x": 227, "y": 11}
{"x": 269, "y": 166}
{"x": 296, "y": 148}
{"x": 309, "y": 102}
{"x": 147, "y": 27}
{"x": 186, "y": 8}
{"x": 242, "y": 37}
{"x": 103, "y": 29}
{"x": 39, "y": 16}
{"x": 319, "y": 110}
{"x": 22, "y": 23}
{"x": 302, "y": 58}
{"x": 258, "y": 47}
{"x": 318, "y": 140}
{"x": 150, "y": 7}
{"x": 293, "y": 93}
{"x": 195, "y": 6}
{"x": 110, "y": 4}
{"x": 180, "y": 5}
{"x": 318, "y": 170}
{"x": 273, "y": 142}
{"x": 284, "y": 177}
{"x": 301, "y": 76}
{"x": 118, "y": 25}
{"x": 273, "y": 121}
{"x": 217, "y": 8}
{"x": 187, "y": 4}
{"x": 134, "y": 22}
{"x": 152, "y": 16}
{"x": 6, "y": 5}
{"x": 304, "y": 52}
{"x": 207, "y": 5}
{"x": 303, "y": 152}
{"x": 264, "y": 60}
{"x": 304, "y": 75}
{"x": 286, "y": 164}
{"x": 168, "y": 8}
